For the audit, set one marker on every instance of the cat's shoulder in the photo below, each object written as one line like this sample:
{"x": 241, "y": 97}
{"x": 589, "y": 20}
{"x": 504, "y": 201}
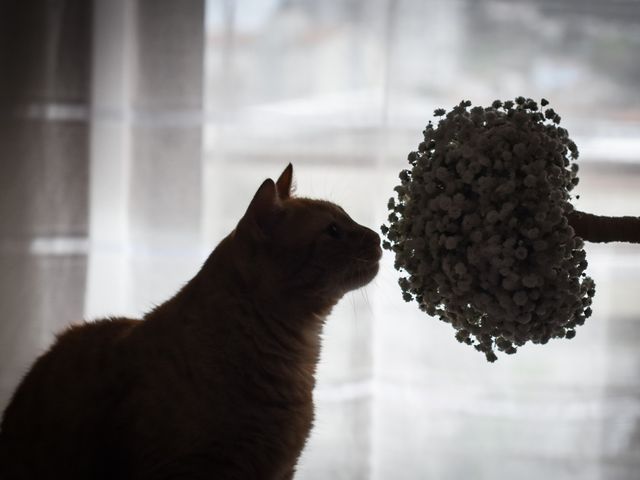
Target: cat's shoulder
{"x": 102, "y": 331}
{"x": 111, "y": 326}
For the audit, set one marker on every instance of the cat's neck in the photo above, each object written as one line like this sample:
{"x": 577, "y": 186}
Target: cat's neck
{"x": 236, "y": 273}
{"x": 220, "y": 317}
{"x": 223, "y": 296}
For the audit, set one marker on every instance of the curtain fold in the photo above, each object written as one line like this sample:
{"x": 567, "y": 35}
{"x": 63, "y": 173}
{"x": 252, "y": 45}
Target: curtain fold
{"x": 100, "y": 183}
{"x": 146, "y": 179}
{"x": 45, "y": 78}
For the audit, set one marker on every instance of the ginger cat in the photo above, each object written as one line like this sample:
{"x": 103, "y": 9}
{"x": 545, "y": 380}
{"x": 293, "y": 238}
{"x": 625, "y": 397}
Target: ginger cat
{"x": 216, "y": 383}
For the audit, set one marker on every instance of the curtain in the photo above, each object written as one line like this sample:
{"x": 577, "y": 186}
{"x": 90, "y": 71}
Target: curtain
{"x": 343, "y": 90}
{"x": 134, "y": 133}
{"x": 146, "y": 142}
{"x": 100, "y": 173}
{"x": 45, "y": 79}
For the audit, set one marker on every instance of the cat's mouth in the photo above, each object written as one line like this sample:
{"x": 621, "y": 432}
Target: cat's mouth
{"x": 364, "y": 269}
{"x": 369, "y": 272}
{"x": 361, "y": 276}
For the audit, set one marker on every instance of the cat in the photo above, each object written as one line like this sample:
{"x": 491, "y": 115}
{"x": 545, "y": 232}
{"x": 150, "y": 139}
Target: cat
{"x": 215, "y": 383}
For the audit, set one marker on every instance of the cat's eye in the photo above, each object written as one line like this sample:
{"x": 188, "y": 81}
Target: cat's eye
{"x": 334, "y": 231}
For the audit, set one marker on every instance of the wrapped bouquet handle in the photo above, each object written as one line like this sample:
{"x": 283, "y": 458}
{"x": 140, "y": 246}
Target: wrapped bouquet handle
{"x": 599, "y": 228}
{"x": 483, "y": 229}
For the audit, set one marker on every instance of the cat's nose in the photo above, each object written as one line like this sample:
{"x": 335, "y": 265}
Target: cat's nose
{"x": 373, "y": 242}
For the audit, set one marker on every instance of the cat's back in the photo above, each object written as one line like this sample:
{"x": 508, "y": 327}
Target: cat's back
{"x": 69, "y": 391}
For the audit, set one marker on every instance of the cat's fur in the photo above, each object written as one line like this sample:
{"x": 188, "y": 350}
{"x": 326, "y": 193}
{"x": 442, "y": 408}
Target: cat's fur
{"x": 215, "y": 383}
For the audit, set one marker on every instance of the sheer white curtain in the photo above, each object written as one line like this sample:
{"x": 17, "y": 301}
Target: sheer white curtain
{"x": 343, "y": 90}
{"x": 146, "y": 164}
{"x": 45, "y": 49}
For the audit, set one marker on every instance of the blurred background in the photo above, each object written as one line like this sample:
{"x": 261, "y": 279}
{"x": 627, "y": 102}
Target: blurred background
{"x": 134, "y": 133}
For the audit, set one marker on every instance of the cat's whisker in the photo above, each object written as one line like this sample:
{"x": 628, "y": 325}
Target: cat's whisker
{"x": 365, "y": 295}
{"x": 354, "y": 308}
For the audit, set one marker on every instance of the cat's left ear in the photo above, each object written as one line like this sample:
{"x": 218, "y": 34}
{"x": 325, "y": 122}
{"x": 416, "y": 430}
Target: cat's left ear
{"x": 284, "y": 183}
{"x": 263, "y": 211}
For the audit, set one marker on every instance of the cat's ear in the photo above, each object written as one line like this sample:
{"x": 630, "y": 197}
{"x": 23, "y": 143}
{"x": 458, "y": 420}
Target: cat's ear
{"x": 263, "y": 210}
{"x": 284, "y": 183}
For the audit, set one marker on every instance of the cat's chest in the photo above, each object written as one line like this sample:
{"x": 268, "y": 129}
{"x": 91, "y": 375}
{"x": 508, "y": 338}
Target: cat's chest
{"x": 281, "y": 354}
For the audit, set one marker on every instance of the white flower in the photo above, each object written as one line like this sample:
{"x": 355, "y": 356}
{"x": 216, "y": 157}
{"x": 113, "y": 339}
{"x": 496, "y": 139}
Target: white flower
{"x": 479, "y": 227}
{"x": 530, "y": 280}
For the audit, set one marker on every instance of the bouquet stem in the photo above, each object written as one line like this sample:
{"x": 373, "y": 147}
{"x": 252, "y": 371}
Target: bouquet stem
{"x": 600, "y": 228}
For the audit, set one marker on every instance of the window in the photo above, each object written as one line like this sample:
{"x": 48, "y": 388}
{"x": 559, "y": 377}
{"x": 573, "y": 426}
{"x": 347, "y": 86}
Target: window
{"x": 343, "y": 90}
{"x": 144, "y": 127}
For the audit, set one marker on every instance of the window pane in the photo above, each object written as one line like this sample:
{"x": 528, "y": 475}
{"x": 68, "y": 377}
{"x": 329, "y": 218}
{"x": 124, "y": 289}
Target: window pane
{"x": 343, "y": 90}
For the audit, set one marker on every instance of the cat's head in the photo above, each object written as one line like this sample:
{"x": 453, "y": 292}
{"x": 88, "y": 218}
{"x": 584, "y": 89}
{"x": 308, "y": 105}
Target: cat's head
{"x": 306, "y": 247}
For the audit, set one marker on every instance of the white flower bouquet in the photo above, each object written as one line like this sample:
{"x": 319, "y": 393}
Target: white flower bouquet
{"x": 483, "y": 229}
